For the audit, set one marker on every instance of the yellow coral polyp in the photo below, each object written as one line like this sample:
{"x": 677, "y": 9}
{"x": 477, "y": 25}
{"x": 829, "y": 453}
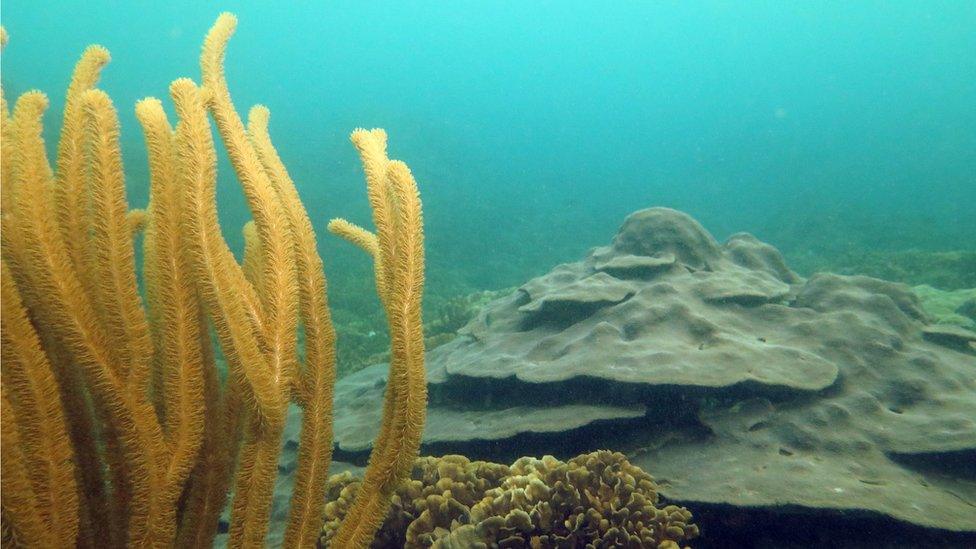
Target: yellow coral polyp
{"x": 105, "y": 391}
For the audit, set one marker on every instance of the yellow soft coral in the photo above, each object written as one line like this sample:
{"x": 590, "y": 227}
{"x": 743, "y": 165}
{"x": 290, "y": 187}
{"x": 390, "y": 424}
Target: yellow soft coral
{"x": 135, "y": 462}
{"x": 399, "y": 265}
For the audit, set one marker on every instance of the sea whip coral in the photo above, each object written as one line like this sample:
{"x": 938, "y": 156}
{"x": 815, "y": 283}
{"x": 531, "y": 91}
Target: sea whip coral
{"x": 105, "y": 394}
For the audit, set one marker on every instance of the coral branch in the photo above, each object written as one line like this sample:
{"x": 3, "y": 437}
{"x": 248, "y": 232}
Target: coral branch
{"x": 156, "y": 432}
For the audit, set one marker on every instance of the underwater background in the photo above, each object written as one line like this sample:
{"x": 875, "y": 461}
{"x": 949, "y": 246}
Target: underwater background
{"x": 842, "y": 133}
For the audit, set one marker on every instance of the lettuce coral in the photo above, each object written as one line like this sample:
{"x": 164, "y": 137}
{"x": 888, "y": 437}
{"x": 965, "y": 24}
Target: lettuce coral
{"x": 593, "y": 500}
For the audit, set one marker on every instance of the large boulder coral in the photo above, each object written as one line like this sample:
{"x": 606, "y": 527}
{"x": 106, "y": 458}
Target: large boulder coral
{"x": 593, "y": 500}
{"x": 721, "y": 371}
{"x": 646, "y": 327}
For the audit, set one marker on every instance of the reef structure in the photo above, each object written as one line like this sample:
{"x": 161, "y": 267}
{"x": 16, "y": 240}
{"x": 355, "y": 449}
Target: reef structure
{"x": 594, "y": 500}
{"x": 739, "y": 384}
{"x": 118, "y": 430}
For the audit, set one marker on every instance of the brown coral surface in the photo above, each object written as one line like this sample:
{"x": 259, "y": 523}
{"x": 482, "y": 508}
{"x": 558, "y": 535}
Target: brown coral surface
{"x": 593, "y": 500}
{"x": 724, "y": 373}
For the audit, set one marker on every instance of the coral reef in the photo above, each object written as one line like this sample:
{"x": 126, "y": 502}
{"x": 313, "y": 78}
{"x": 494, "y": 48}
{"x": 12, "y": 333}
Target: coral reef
{"x": 451, "y": 314}
{"x": 118, "y": 428}
{"x": 362, "y": 339}
{"x": 947, "y": 270}
{"x": 444, "y": 486}
{"x": 900, "y": 246}
{"x": 717, "y": 368}
{"x": 363, "y": 343}
{"x": 593, "y": 500}
{"x": 487, "y": 417}
{"x": 957, "y": 307}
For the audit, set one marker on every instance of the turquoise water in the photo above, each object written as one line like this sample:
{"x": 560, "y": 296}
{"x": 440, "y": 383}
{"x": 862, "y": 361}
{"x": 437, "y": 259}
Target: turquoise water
{"x": 534, "y": 128}
{"x": 783, "y": 411}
